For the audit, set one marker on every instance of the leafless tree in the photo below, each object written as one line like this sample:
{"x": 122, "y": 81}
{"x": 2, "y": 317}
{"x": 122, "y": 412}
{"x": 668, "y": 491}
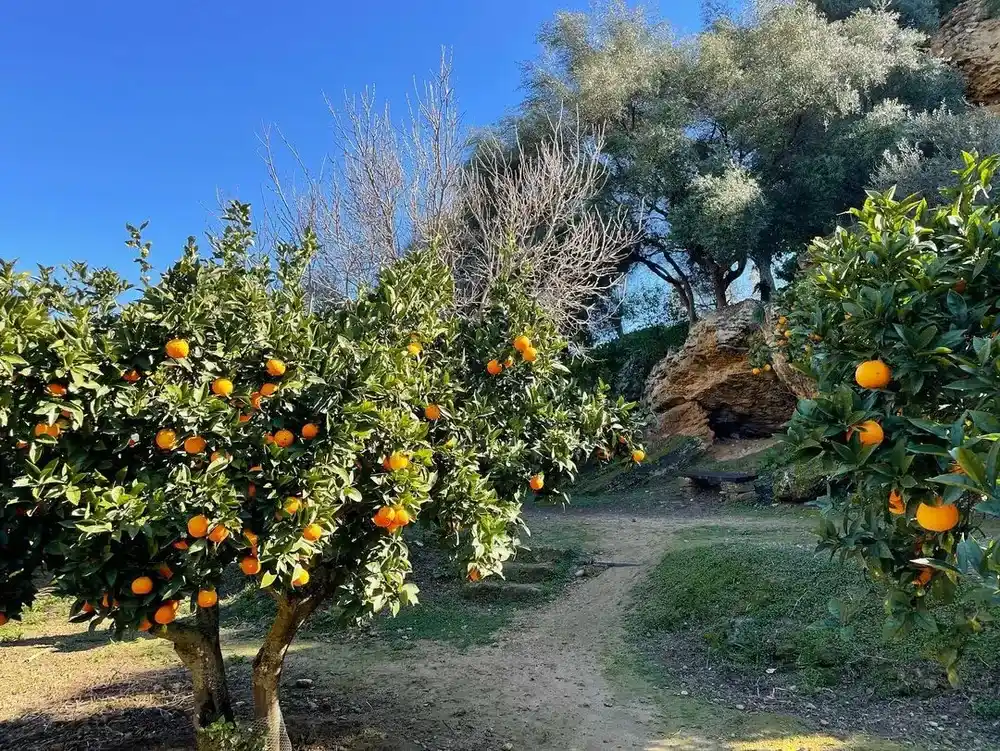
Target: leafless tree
{"x": 507, "y": 212}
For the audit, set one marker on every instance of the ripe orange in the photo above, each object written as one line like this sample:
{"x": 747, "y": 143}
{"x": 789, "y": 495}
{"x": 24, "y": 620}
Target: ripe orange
{"x": 870, "y": 433}
{"x": 198, "y": 525}
{"x": 292, "y": 505}
{"x": 284, "y": 438}
{"x": 398, "y": 461}
{"x": 508, "y": 362}
{"x": 142, "y": 585}
{"x": 53, "y": 430}
{"x": 384, "y": 517}
{"x": 474, "y": 575}
{"x": 767, "y": 367}
{"x": 166, "y": 439}
{"x": 177, "y": 349}
{"x": 300, "y": 577}
{"x": 87, "y": 608}
{"x": 937, "y": 518}
{"x": 219, "y": 533}
{"x": 401, "y": 516}
{"x": 207, "y": 598}
{"x": 131, "y": 375}
{"x": 873, "y": 374}
{"x": 56, "y": 389}
{"x": 782, "y": 320}
{"x": 165, "y": 572}
{"x": 145, "y": 625}
{"x": 181, "y": 545}
{"x": 309, "y": 431}
{"x": 638, "y": 455}
{"x": 960, "y": 286}
{"x": 312, "y": 532}
{"x": 529, "y": 354}
{"x": 251, "y": 537}
{"x": 244, "y": 418}
{"x": 493, "y": 367}
{"x": 922, "y": 579}
{"x": 22, "y": 444}
{"x": 268, "y": 438}
{"x": 275, "y": 368}
{"x": 106, "y": 601}
{"x": 521, "y": 343}
{"x": 255, "y": 399}
{"x": 195, "y": 444}
{"x": 251, "y": 490}
{"x": 41, "y": 429}
{"x": 414, "y": 348}
{"x": 269, "y": 389}
{"x": 250, "y": 565}
{"x": 956, "y": 469}
{"x": 537, "y": 482}
{"x": 165, "y": 614}
{"x": 896, "y": 505}
{"x": 432, "y": 412}
{"x": 755, "y": 371}
{"x": 3, "y": 619}
{"x": 217, "y": 455}
{"x": 222, "y": 387}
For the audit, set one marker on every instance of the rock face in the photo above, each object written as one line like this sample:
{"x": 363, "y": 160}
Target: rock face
{"x": 706, "y": 388}
{"x": 970, "y": 40}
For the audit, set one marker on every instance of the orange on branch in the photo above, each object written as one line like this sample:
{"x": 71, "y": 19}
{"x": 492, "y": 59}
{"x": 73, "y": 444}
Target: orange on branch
{"x": 166, "y": 439}
{"x": 131, "y": 376}
{"x": 529, "y": 354}
{"x": 414, "y": 348}
{"x": 474, "y": 575}
{"x": 384, "y": 517}
{"x": 218, "y": 534}
{"x": 292, "y": 505}
{"x": 197, "y": 526}
{"x": 398, "y": 460}
{"x": 521, "y": 343}
{"x": 537, "y": 482}
{"x": 165, "y": 614}
{"x": 896, "y": 505}
{"x": 638, "y": 455}
{"x": 142, "y": 585}
{"x": 508, "y": 362}
{"x": 56, "y": 389}
{"x": 250, "y": 565}
{"x": 207, "y": 598}
{"x": 177, "y": 349}
{"x": 300, "y": 577}
{"x": 144, "y": 625}
{"x": 869, "y": 432}
{"x": 284, "y": 438}
{"x": 269, "y": 389}
{"x": 872, "y": 374}
{"x": 275, "y": 368}
{"x": 195, "y": 444}
{"x": 165, "y": 571}
{"x": 937, "y": 518}
{"x": 312, "y": 532}
{"x": 493, "y": 367}
{"x": 181, "y": 545}
{"x": 432, "y": 412}
{"x": 923, "y": 578}
{"x": 309, "y": 431}
{"x": 222, "y": 387}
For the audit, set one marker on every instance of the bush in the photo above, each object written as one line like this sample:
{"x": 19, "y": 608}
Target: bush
{"x": 912, "y": 449}
{"x": 151, "y": 441}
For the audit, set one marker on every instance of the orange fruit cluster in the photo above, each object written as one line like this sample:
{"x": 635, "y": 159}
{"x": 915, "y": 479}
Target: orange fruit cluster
{"x": 392, "y": 517}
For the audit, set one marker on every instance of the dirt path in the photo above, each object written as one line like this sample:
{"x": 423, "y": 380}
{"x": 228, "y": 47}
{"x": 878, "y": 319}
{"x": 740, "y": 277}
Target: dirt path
{"x": 542, "y": 686}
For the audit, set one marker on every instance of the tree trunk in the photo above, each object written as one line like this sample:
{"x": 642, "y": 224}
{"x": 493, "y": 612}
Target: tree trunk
{"x": 197, "y": 645}
{"x": 719, "y": 286}
{"x": 270, "y": 659}
{"x": 766, "y": 279}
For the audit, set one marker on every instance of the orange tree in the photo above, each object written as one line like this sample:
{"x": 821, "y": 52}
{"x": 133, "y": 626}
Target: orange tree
{"x": 151, "y": 439}
{"x": 897, "y": 316}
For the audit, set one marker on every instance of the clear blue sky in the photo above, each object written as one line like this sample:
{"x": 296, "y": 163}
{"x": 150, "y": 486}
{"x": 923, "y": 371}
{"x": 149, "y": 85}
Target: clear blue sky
{"x": 120, "y": 111}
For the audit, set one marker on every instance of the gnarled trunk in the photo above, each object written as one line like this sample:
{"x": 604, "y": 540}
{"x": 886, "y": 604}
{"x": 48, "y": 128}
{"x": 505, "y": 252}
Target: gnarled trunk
{"x": 197, "y": 645}
{"x": 270, "y": 659}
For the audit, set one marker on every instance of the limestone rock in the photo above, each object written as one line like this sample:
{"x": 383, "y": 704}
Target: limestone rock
{"x": 706, "y": 388}
{"x": 970, "y": 40}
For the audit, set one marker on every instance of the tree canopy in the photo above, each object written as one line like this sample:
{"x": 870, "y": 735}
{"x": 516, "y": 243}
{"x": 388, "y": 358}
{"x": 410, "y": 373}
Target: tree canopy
{"x": 738, "y": 145}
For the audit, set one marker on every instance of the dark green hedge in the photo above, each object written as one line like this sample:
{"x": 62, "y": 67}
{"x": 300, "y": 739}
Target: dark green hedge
{"x": 625, "y": 362}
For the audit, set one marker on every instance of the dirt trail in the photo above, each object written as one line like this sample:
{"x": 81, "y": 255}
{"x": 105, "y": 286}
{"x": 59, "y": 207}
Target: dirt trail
{"x": 542, "y": 686}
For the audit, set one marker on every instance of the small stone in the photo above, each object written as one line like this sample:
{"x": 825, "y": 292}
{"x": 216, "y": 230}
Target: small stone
{"x": 741, "y": 706}
{"x": 304, "y": 683}
{"x": 579, "y": 573}
{"x": 685, "y": 692}
{"x": 771, "y": 671}
{"x": 824, "y": 722}
{"x": 508, "y": 746}
{"x": 608, "y": 704}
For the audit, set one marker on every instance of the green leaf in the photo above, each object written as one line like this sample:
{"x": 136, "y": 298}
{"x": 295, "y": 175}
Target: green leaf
{"x": 970, "y": 555}
{"x": 972, "y": 464}
{"x": 267, "y": 580}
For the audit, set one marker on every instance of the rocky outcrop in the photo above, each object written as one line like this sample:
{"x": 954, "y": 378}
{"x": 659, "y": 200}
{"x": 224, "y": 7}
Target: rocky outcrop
{"x": 795, "y": 380}
{"x": 706, "y": 389}
{"x": 969, "y": 39}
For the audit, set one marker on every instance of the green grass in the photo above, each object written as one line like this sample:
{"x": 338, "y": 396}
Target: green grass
{"x": 765, "y": 603}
